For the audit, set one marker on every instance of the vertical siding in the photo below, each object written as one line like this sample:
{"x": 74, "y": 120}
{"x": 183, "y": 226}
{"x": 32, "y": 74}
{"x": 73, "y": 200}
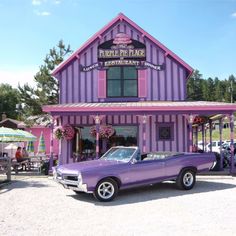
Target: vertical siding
{"x": 95, "y": 74}
{"x": 82, "y": 79}
{"x": 69, "y": 83}
{"x": 176, "y": 93}
{"x": 162, "y": 77}
{"x": 179, "y": 143}
{"x": 182, "y": 84}
{"x": 155, "y": 77}
{"x": 168, "y": 84}
{"x": 168, "y": 79}
{"x": 76, "y": 81}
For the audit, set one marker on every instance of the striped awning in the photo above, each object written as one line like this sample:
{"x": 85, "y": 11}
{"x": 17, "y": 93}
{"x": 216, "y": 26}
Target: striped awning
{"x": 143, "y": 106}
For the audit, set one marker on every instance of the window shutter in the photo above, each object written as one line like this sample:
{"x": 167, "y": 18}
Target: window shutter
{"x": 142, "y": 83}
{"x": 102, "y": 84}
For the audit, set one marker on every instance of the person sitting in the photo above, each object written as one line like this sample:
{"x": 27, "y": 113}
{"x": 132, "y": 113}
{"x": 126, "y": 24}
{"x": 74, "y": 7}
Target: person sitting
{"x": 19, "y": 158}
{"x": 24, "y": 152}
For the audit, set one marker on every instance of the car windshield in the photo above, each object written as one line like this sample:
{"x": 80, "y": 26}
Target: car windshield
{"x": 119, "y": 154}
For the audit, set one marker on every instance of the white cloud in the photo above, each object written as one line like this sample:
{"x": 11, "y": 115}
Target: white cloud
{"x": 36, "y": 2}
{"x": 56, "y": 2}
{"x": 233, "y": 15}
{"x": 19, "y": 75}
{"x": 42, "y": 13}
{"x": 41, "y": 2}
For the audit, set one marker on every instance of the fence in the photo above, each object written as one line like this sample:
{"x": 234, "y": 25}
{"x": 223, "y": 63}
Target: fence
{"x": 5, "y": 167}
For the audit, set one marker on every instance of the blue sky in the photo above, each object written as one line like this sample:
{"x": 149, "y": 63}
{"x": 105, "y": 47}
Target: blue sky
{"x": 201, "y": 32}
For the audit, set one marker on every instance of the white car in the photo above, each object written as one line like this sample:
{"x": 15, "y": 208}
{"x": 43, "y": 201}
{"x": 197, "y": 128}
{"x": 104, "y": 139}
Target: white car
{"x": 215, "y": 146}
{"x": 200, "y": 145}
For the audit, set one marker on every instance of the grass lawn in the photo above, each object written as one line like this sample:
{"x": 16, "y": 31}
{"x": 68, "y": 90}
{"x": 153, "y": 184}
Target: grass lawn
{"x": 216, "y": 135}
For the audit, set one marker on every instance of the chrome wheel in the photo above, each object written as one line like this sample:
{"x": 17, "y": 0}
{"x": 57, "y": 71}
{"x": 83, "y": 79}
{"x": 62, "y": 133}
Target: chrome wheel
{"x": 188, "y": 179}
{"x": 106, "y": 190}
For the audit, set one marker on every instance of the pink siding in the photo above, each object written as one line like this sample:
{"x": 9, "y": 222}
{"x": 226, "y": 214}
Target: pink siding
{"x": 161, "y": 85}
{"x": 46, "y": 134}
{"x": 179, "y": 142}
{"x": 101, "y": 84}
{"x": 142, "y": 83}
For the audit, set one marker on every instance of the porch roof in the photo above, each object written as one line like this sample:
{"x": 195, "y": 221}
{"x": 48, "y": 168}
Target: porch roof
{"x": 143, "y": 106}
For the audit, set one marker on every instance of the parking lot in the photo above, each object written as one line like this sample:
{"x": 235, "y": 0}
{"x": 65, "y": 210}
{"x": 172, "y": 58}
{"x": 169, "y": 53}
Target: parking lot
{"x": 39, "y": 206}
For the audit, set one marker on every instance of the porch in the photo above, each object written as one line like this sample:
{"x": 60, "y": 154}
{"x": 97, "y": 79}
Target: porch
{"x": 162, "y": 126}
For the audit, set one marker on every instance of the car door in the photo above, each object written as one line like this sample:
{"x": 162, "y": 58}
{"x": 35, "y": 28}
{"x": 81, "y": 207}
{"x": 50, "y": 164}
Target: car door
{"x": 172, "y": 166}
{"x": 144, "y": 172}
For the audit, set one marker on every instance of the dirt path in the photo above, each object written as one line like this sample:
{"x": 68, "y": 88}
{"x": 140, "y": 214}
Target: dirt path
{"x": 39, "y": 206}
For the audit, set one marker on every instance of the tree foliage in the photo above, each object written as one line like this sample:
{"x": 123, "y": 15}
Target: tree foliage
{"x": 9, "y": 97}
{"x": 200, "y": 89}
{"x": 47, "y": 89}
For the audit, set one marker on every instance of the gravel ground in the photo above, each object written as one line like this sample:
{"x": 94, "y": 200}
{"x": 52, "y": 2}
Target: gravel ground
{"x": 39, "y": 206}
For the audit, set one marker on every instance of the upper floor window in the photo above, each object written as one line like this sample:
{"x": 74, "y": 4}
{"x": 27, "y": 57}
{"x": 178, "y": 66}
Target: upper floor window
{"x": 122, "y": 82}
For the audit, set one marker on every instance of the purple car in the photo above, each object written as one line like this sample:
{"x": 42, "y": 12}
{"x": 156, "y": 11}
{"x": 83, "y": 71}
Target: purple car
{"x": 124, "y": 167}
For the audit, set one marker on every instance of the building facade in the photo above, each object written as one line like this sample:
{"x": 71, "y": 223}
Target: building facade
{"x": 126, "y": 84}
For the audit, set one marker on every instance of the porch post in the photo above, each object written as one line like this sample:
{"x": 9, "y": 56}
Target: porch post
{"x": 232, "y": 170}
{"x": 144, "y": 122}
{"x": 143, "y": 119}
{"x": 190, "y": 118}
{"x": 60, "y": 142}
{"x": 203, "y": 139}
{"x": 221, "y": 154}
{"x": 190, "y": 122}
{"x": 97, "y": 120}
{"x": 51, "y": 145}
{"x": 196, "y": 137}
{"x": 210, "y": 130}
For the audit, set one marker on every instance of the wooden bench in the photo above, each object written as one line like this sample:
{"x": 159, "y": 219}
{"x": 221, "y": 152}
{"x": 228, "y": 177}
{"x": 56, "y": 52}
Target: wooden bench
{"x": 20, "y": 165}
{"x": 36, "y": 163}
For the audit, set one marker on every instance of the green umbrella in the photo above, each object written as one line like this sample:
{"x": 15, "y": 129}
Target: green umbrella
{"x": 10, "y": 135}
{"x": 27, "y": 135}
{"x": 41, "y": 145}
{"x": 30, "y": 146}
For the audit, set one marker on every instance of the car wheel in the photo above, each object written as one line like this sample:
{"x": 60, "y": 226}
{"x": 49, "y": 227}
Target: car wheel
{"x": 186, "y": 179}
{"x": 106, "y": 190}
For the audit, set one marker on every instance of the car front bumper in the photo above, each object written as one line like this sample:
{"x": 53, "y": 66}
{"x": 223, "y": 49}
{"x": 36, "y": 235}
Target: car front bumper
{"x": 72, "y": 182}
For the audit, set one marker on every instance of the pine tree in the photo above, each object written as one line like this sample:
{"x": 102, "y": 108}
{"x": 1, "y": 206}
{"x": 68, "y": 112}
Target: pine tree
{"x": 195, "y": 87}
{"x": 9, "y": 97}
{"x": 47, "y": 89}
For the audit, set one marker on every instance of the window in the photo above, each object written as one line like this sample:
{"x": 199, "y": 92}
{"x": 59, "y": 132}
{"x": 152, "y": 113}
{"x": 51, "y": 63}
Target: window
{"x": 83, "y": 143}
{"x": 165, "y": 131}
{"x": 122, "y": 82}
{"x": 124, "y": 136}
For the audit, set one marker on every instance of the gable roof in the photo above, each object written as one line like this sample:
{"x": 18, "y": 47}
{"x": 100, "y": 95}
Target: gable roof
{"x": 16, "y": 122}
{"x": 122, "y": 17}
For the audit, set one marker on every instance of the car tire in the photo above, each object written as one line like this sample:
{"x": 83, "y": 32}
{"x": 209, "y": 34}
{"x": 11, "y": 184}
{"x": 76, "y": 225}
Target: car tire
{"x": 186, "y": 179}
{"x": 106, "y": 190}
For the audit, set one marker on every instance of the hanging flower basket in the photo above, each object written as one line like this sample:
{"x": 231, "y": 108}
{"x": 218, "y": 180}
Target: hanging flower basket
{"x": 69, "y": 132}
{"x": 66, "y": 131}
{"x": 59, "y": 132}
{"x": 200, "y": 119}
{"x": 105, "y": 131}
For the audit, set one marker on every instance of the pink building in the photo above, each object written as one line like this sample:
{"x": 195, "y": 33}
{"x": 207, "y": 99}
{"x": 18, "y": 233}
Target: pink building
{"x": 125, "y": 78}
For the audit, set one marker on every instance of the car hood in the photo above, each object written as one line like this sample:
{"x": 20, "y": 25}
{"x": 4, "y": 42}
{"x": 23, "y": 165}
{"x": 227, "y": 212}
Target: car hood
{"x": 74, "y": 168}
